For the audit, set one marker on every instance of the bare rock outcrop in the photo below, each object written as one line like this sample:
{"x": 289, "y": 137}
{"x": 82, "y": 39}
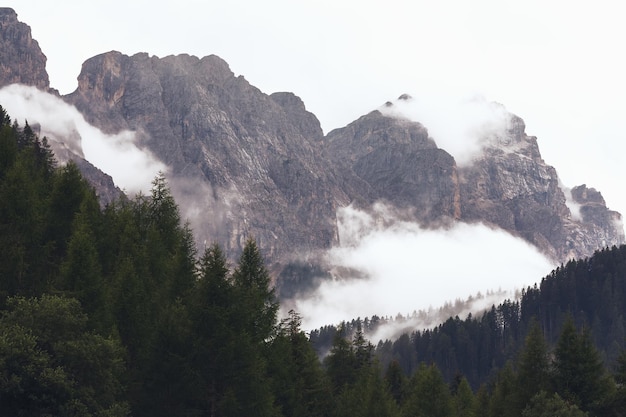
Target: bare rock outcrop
{"x": 289, "y": 179}
{"x": 259, "y": 154}
{"x": 508, "y": 186}
{"x": 395, "y": 161}
{"x": 21, "y": 59}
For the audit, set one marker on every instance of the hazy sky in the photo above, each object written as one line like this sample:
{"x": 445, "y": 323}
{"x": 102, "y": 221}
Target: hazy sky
{"x": 558, "y": 64}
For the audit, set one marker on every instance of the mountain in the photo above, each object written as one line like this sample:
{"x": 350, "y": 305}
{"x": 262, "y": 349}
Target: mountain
{"x": 508, "y": 185}
{"x": 511, "y": 187}
{"x": 244, "y": 163}
{"x": 259, "y": 154}
{"x": 21, "y": 59}
{"x": 23, "y": 62}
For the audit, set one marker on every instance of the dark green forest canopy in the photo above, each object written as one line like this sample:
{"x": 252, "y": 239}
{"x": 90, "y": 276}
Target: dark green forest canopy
{"x": 112, "y": 312}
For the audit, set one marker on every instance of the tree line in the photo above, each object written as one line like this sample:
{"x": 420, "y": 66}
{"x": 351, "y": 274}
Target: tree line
{"x": 113, "y": 312}
{"x": 590, "y": 292}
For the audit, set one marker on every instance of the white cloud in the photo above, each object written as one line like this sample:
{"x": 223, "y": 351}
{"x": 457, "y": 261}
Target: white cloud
{"x": 131, "y": 168}
{"x": 461, "y": 125}
{"x": 572, "y": 205}
{"x": 408, "y": 268}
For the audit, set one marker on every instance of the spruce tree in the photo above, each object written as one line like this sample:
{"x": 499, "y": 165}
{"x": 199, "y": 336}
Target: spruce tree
{"x": 503, "y": 398}
{"x": 255, "y": 296}
{"x": 396, "y": 381}
{"x": 465, "y": 403}
{"x": 341, "y": 363}
{"x": 299, "y": 382}
{"x": 428, "y": 394}
{"x": 579, "y": 372}
{"x": 533, "y": 368}
{"x": 52, "y": 364}
{"x": 545, "y": 405}
{"x": 211, "y": 312}
{"x": 254, "y": 318}
{"x": 81, "y": 274}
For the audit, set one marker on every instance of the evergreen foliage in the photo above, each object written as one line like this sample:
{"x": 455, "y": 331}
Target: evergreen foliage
{"x": 109, "y": 312}
{"x": 51, "y": 364}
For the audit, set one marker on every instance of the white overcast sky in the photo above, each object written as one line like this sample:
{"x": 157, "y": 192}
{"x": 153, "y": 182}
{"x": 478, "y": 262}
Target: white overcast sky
{"x": 560, "y": 65}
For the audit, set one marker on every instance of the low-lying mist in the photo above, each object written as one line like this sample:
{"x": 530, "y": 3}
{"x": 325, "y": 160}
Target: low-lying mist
{"x": 131, "y": 168}
{"x": 386, "y": 266}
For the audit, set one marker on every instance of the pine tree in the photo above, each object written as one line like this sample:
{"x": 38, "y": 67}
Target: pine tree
{"x": 256, "y": 298}
{"x": 465, "y": 402}
{"x": 579, "y": 372}
{"x": 533, "y": 366}
{"x": 51, "y": 364}
{"x": 396, "y": 381}
{"x": 428, "y": 394}
{"x": 299, "y": 383}
{"x": 341, "y": 363}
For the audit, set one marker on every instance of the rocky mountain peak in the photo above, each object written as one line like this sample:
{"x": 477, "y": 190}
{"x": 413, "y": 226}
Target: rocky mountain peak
{"x": 296, "y": 111}
{"x": 257, "y": 155}
{"x": 396, "y": 161}
{"x": 512, "y": 187}
{"x": 21, "y": 59}
{"x": 7, "y": 15}
{"x": 259, "y": 165}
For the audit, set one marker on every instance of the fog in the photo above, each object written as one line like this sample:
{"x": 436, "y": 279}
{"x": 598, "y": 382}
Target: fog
{"x": 210, "y": 211}
{"x": 131, "y": 167}
{"x": 386, "y": 265}
{"x": 461, "y": 124}
{"x": 398, "y": 267}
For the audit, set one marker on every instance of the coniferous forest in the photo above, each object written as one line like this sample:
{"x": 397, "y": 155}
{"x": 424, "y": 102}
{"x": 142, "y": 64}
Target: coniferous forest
{"x": 111, "y": 311}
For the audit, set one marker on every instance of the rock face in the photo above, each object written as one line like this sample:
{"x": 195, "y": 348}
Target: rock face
{"x": 23, "y": 62}
{"x": 21, "y": 59}
{"x": 395, "y": 160}
{"x": 258, "y": 153}
{"x": 244, "y": 163}
{"x": 510, "y": 186}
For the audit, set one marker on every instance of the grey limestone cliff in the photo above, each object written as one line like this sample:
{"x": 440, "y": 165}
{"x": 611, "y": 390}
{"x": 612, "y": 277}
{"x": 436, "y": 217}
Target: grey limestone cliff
{"x": 512, "y": 187}
{"x": 23, "y": 62}
{"x": 259, "y": 153}
{"x": 266, "y": 157}
{"x": 21, "y": 59}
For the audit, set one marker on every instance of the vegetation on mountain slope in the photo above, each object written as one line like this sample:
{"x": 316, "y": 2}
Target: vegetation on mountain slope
{"x": 112, "y": 312}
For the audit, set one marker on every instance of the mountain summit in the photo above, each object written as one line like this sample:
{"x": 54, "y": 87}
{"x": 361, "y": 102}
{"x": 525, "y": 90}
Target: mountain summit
{"x": 243, "y": 163}
{"x": 21, "y": 59}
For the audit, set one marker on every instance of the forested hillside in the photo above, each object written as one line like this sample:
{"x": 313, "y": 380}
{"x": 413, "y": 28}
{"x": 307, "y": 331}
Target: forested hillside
{"x": 113, "y": 312}
{"x": 591, "y": 292}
